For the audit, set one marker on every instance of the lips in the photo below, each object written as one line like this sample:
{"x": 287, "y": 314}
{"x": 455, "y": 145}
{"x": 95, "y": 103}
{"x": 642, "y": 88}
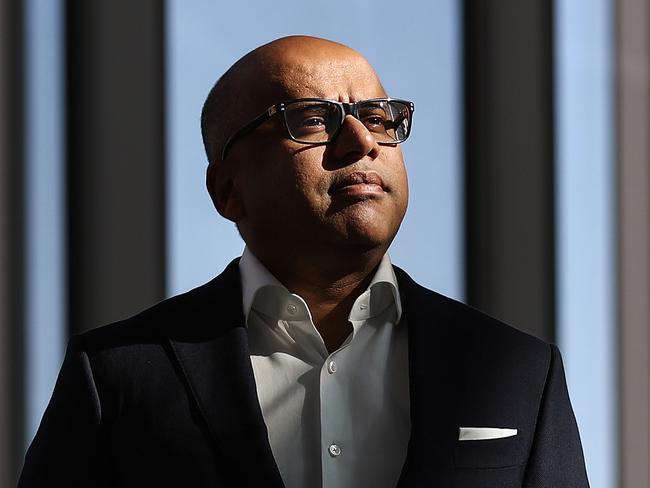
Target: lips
{"x": 358, "y": 182}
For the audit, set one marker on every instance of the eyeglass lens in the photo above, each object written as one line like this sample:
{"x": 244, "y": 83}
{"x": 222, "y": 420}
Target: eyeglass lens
{"x": 318, "y": 121}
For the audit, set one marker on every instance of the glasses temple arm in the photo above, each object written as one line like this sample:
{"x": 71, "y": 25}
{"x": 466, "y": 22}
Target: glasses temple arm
{"x": 247, "y": 129}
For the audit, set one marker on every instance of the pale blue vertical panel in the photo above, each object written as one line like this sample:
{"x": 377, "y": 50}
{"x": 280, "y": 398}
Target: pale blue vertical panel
{"x": 44, "y": 204}
{"x": 585, "y": 217}
{"x": 415, "y": 49}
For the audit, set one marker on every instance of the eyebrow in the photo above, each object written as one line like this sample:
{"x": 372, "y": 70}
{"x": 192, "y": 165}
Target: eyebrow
{"x": 371, "y": 104}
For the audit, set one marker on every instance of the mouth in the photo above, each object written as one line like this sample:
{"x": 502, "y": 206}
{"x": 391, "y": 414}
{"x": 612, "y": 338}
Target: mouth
{"x": 358, "y": 183}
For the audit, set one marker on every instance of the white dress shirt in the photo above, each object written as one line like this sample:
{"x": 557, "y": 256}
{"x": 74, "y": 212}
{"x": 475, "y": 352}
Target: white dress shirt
{"x": 334, "y": 420}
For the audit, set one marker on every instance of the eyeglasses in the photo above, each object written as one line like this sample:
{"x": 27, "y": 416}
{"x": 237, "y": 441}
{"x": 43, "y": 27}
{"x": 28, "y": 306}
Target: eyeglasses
{"x": 318, "y": 121}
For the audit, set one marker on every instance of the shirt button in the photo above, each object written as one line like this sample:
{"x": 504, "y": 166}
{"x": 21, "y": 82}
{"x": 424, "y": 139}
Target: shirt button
{"x": 331, "y": 367}
{"x": 363, "y": 306}
{"x": 292, "y": 309}
{"x": 334, "y": 450}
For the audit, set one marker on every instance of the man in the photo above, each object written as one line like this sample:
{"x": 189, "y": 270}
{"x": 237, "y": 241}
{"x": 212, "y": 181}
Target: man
{"x": 311, "y": 361}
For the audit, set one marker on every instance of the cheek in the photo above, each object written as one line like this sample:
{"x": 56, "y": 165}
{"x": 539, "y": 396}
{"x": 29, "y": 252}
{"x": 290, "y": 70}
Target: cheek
{"x": 285, "y": 187}
{"x": 310, "y": 185}
{"x": 310, "y": 180}
{"x": 404, "y": 188}
{"x": 399, "y": 180}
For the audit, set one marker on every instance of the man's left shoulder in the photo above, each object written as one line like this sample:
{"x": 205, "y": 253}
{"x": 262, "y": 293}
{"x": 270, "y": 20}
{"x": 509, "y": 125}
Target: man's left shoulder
{"x": 466, "y": 327}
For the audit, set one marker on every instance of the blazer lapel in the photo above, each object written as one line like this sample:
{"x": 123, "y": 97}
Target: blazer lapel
{"x": 431, "y": 380}
{"x": 212, "y": 352}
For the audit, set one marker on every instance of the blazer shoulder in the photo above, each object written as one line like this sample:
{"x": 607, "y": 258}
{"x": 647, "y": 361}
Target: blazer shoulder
{"x": 188, "y": 314}
{"x": 468, "y": 324}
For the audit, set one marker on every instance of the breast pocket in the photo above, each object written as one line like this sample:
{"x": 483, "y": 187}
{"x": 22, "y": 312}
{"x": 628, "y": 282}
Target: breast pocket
{"x": 489, "y": 453}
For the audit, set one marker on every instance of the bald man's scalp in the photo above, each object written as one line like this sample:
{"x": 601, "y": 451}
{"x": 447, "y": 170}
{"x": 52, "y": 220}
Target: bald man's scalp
{"x": 259, "y": 79}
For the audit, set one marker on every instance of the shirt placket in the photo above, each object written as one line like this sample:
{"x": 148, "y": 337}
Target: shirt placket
{"x": 333, "y": 443}
{"x": 337, "y": 456}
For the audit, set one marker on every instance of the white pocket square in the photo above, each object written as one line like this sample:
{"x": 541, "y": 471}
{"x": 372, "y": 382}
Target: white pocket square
{"x": 483, "y": 433}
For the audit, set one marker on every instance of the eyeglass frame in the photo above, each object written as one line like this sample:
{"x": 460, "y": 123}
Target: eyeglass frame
{"x": 347, "y": 108}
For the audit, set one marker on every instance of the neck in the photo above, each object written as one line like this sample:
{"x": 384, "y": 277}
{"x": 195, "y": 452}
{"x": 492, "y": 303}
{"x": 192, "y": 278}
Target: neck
{"x": 329, "y": 285}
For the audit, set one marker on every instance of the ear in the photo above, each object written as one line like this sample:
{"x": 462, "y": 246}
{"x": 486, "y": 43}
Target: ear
{"x": 226, "y": 197}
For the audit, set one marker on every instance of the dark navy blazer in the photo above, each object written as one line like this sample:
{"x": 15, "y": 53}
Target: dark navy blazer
{"x": 168, "y": 398}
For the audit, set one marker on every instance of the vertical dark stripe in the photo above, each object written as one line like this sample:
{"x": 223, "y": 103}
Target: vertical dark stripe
{"x": 509, "y": 161}
{"x": 11, "y": 247}
{"x": 116, "y": 169}
{"x": 633, "y": 195}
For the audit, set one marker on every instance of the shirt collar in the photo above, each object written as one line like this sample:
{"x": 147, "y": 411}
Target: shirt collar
{"x": 262, "y": 289}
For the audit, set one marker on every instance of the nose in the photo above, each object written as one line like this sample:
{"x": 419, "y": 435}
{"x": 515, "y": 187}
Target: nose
{"x": 354, "y": 142}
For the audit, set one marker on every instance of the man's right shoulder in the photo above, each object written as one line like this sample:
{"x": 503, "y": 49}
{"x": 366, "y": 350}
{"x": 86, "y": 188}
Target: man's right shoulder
{"x": 193, "y": 315}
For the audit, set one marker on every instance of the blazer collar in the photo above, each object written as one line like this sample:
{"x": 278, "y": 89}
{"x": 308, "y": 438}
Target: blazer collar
{"x": 211, "y": 348}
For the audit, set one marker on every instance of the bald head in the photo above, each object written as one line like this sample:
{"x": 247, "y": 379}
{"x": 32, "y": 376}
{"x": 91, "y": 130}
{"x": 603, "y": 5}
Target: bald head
{"x": 271, "y": 73}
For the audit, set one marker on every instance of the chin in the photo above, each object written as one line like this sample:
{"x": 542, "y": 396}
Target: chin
{"x": 365, "y": 240}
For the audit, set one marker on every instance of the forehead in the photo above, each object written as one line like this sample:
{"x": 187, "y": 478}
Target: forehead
{"x": 344, "y": 77}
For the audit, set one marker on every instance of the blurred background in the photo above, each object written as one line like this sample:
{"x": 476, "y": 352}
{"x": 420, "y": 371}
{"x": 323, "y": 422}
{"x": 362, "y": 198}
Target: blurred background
{"x": 529, "y": 168}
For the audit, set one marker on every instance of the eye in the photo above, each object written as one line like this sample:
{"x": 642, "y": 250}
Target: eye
{"x": 313, "y": 122}
{"x": 374, "y": 121}
{"x": 310, "y": 118}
